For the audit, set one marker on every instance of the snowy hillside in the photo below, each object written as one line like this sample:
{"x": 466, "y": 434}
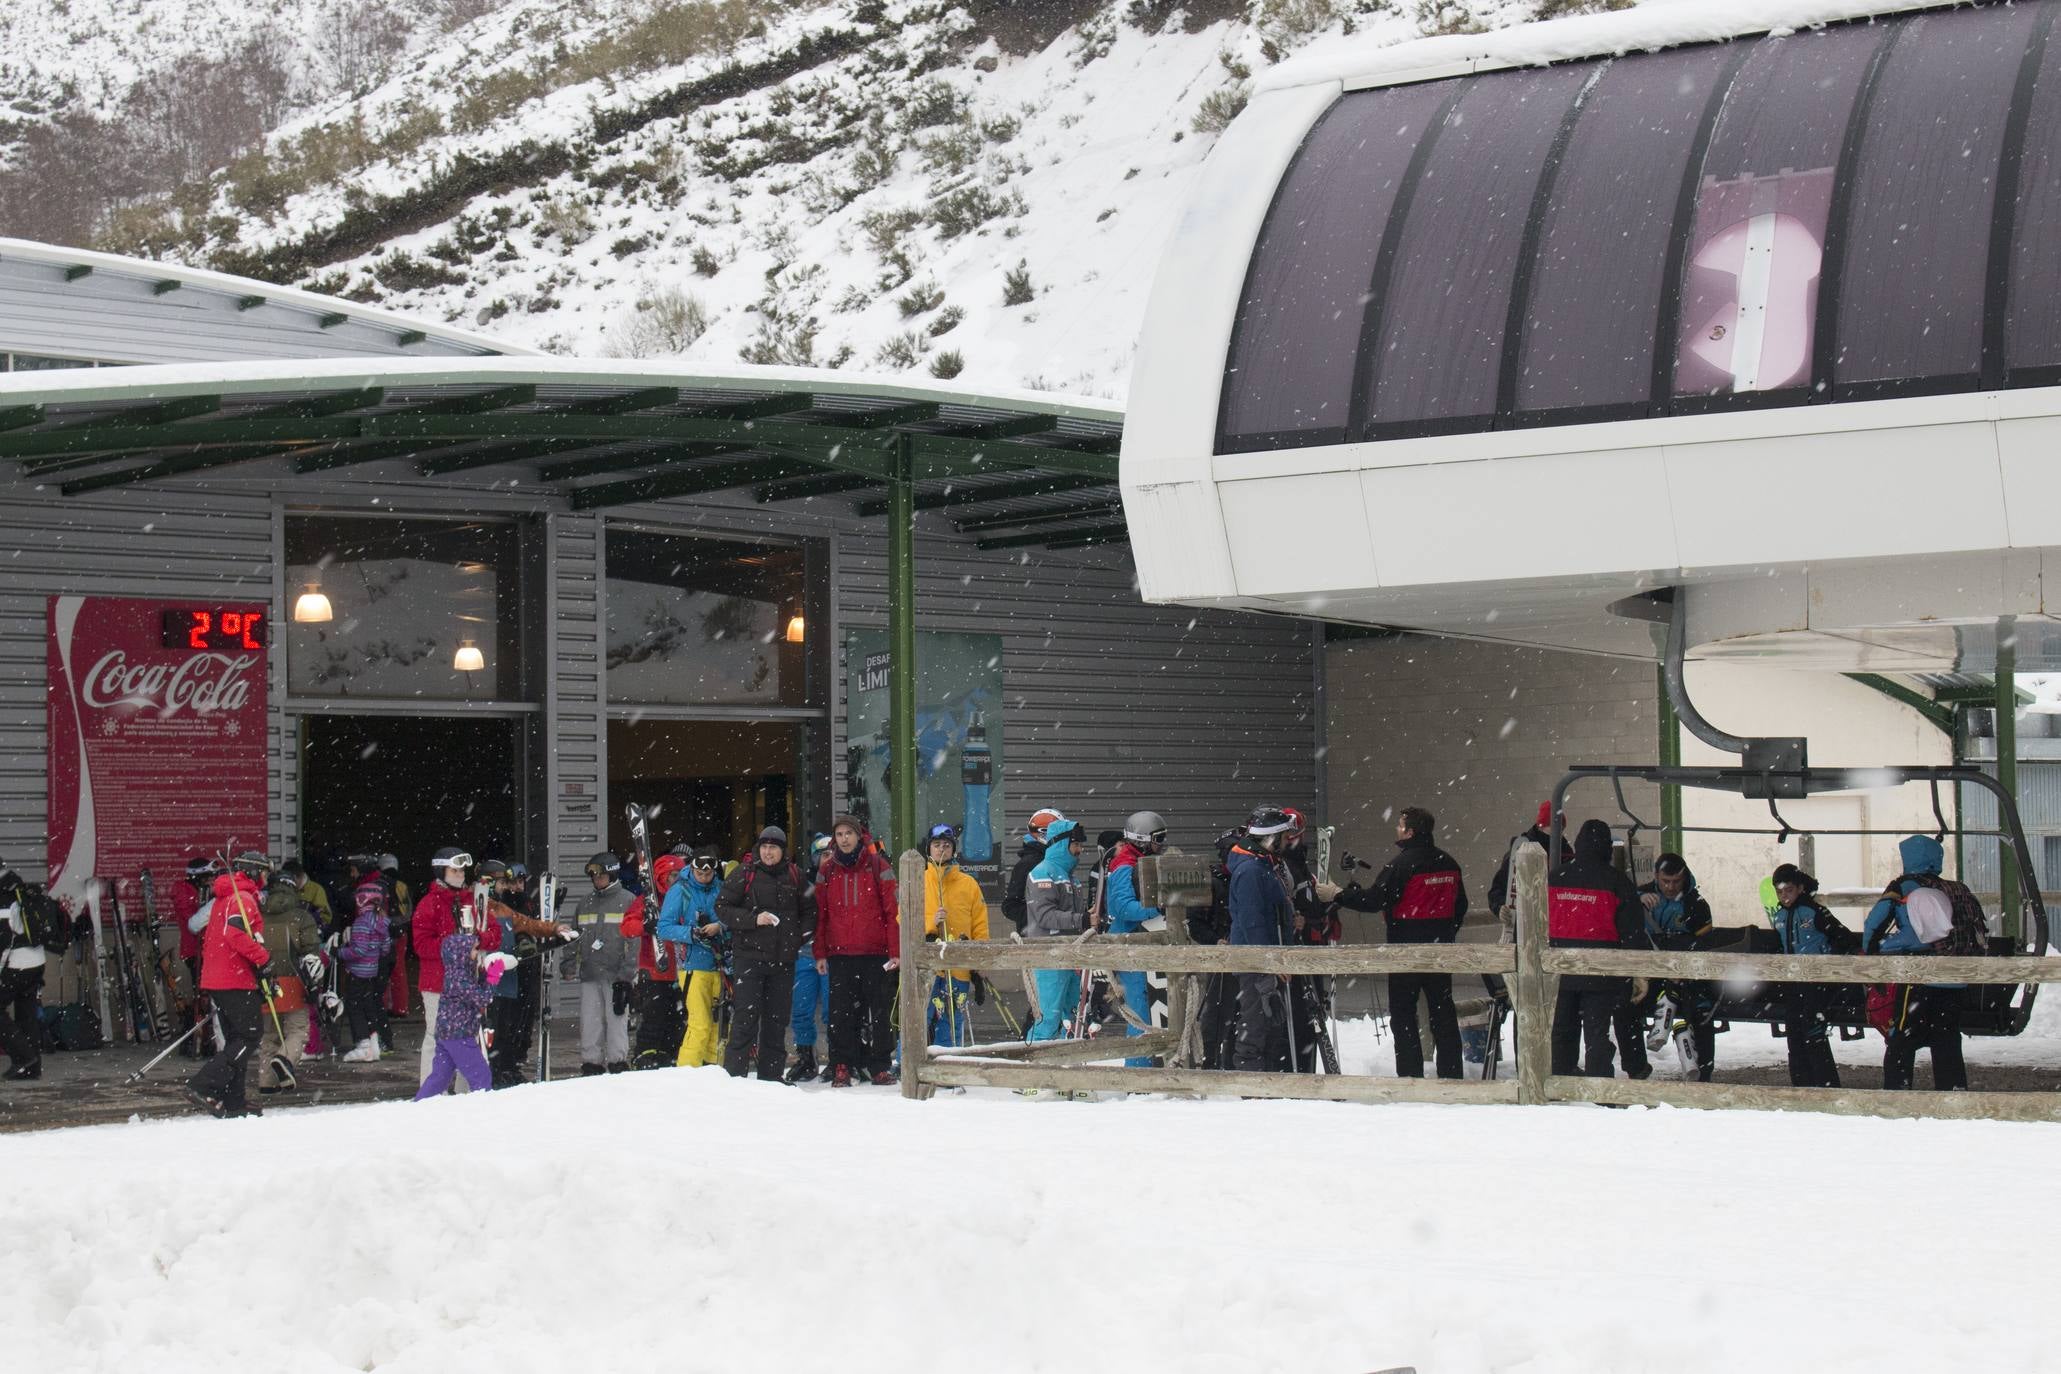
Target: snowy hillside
{"x": 974, "y": 189}
{"x": 685, "y": 1220}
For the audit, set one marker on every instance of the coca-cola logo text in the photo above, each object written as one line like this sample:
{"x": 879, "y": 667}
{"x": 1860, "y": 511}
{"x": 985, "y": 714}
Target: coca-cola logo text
{"x": 202, "y": 683}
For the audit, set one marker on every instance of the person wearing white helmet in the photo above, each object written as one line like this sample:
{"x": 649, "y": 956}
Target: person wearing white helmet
{"x": 1261, "y": 914}
{"x": 1144, "y": 833}
{"x": 1015, "y": 903}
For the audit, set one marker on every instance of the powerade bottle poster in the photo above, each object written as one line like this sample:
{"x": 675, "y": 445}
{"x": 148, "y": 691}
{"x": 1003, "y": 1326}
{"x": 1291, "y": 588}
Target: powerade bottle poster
{"x": 958, "y": 743}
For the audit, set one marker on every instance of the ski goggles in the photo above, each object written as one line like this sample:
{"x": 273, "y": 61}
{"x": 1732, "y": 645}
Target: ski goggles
{"x": 458, "y": 861}
{"x": 703, "y": 863}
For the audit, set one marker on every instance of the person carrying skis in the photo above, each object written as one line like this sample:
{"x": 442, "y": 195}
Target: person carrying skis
{"x": 1927, "y": 1016}
{"x": 661, "y": 1011}
{"x": 234, "y": 967}
{"x": 858, "y": 949}
{"x": 1260, "y": 914}
{"x": 1423, "y": 899}
{"x": 469, "y": 978}
{"x": 1677, "y": 918}
{"x": 953, "y": 909}
{"x": 1144, "y": 833}
{"x": 296, "y": 948}
{"x": 364, "y": 948}
{"x": 22, "y": 960}
{"x": 1804, "y": 926}
{"x": 1056, "y": 907}
{"x": 1015, "y": 896}
{"x": 688, "y": 918}
{"x": 770, "y": 911}
{"x": 1589, "y": 905}
{"x": 606, "y": 960}
{"x": 811, "y": 1000}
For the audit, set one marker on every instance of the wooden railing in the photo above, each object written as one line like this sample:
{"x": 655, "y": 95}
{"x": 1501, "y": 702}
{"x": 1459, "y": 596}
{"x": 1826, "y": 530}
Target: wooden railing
{"x": 1172, "y": 882}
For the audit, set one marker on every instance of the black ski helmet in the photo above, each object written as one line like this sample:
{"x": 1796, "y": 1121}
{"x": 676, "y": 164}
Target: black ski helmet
{"x": 448, "y": 858}
{"x": 603, "y": 865}
{"x": 252, "y": 864}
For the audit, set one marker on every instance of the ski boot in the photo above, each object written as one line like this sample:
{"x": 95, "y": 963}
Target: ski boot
{"x": 803, "y": 1069}
{"x": 618, "y": 1067}
{"x": 23, "y": 1073}
{"x": 840, "y": 1076}
{"x": 592, "y": 1070}
{"x": 884, "y": 1079}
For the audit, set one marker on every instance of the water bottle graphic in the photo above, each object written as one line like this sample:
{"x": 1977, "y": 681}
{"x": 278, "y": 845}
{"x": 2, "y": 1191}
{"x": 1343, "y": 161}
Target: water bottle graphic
{"x": 977, "y": 773}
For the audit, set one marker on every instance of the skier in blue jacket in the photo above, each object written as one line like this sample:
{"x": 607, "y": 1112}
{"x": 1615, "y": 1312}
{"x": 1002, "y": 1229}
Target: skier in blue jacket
{"x": 1260, "y": 913}
{"x": 1055, "y": 906}
{"x": 689, "y": 920}
{"x": 1921, "y": 1017}
{"x": 1144, "y": 833}
{"x": 1806, "y": 927}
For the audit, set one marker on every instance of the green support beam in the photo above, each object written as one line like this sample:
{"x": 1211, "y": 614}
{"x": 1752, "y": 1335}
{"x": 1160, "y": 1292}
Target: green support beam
{"x": 1015, "y": 427}
{"x": 182, "y": 464}
{"x": 916, "y": 412}
{"x": 1940, "y": 716}
{"x": 20, "y": 417}
{"x": 331, "y": 320}
{"x": 1670, "y": 757}
{"x": 408, "y": 338}
{"x": 574, "y": 468}
{"x": 938, "y": 455}
{"x": 164, "y": 288}
{"x": 2007, "y": 761}
{"x": 975, "y": 496}
{"x": 802, "y": 488}
{"x": 307, "y": 407}
{"x": 1070, "y": 538}
{"x": 77, "y": 272}
{"x": 249, "y": 302}
{"x": 458, "y": 409}
{"x": 465, "y": 457}
{"x": 1097, "y": 510}
{"x": 901, "y": 633}
{"x": 627, "y": 403}
{"x": 686, "y": 482}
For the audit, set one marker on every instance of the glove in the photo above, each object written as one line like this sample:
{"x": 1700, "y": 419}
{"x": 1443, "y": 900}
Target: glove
{"x": 497, "y": 965}
{"x": 268, "y": 985}
{"x": 622, "y": 998}
{"x": 337, "y": 940}
{"x": 332, "y": 1006}
{"x": 1327, "y": 892}
{"x": 312, "y": 969}
{"x": 980, "y": 989}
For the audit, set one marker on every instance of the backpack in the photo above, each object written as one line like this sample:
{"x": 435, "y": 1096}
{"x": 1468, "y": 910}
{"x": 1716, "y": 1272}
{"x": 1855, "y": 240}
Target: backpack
{"x": 48, "y": 923}
{"x": 1967, "y": 930}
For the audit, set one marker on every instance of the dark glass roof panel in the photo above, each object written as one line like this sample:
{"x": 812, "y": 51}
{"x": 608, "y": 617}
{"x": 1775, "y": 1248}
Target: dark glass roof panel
{"x": 1916, "y": 253}
{"x": 1440, "y": 342}
{"x": 1298, "y": 326}
{"x": 1602, "y": 247}
{"x": 2032, "y": 331}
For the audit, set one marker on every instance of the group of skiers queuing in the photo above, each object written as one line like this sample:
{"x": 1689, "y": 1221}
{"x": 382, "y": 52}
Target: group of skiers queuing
{"x": 721, "y": 960}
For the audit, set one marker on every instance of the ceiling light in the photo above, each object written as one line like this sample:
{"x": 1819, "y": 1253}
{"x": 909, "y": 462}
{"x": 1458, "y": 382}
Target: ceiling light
{"x": 311, "y": 607}
{"x": 469, "y": 658}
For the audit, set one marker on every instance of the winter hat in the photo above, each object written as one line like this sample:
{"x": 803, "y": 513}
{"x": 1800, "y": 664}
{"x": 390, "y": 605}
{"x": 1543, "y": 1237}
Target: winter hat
{"x": 1062, "y": 829}
{"x": 773, "y": 834}
{"x": 1592, "y": 841}
{"x": 1790, "y": 873}
{"x": 665, "y": 868}
{"x": 1545, "y": 814}
{"x": 857, "y": 826}
{"x": 1921, "y": 854}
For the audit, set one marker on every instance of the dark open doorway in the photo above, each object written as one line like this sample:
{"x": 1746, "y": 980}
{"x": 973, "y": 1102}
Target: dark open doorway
{"x": 409, "y": 785}
{"x": 712, "y": 782}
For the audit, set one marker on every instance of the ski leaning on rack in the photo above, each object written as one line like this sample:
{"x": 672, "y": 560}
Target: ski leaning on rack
{"x": 162, "y": 981}
{"x": 547, "y": 960}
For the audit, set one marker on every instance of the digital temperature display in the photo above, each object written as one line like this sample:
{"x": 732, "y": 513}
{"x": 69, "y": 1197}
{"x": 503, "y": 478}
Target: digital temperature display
{"x": 214, "y": 628}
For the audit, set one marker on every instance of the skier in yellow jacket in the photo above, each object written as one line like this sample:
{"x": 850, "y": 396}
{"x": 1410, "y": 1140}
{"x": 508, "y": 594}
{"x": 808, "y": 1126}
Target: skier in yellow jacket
{"x": 953, "y": 909}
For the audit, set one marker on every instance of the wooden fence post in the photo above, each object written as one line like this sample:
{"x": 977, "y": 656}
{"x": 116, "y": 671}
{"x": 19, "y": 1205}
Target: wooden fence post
{"x": 1534, "y": 1008}
{"x": 909, "y": 880}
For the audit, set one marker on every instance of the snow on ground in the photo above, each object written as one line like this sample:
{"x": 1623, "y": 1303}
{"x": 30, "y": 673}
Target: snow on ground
{"x": 684, "y": 1221}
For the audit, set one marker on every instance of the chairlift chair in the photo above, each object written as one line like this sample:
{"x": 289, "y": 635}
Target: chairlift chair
{"x": 1997, "y": 1009}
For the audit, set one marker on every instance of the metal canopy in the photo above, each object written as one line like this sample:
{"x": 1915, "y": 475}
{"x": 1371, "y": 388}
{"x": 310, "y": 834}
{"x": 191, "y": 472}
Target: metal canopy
{"x": 602, "y": 434}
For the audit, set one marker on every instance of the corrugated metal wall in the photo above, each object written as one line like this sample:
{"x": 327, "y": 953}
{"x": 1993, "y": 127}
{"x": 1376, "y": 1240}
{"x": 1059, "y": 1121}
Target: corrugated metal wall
{"x": 1112, "y": 705}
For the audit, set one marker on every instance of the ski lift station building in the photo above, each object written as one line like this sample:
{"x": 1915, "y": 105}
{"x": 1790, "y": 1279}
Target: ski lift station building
{"x": 1538, "y": 338}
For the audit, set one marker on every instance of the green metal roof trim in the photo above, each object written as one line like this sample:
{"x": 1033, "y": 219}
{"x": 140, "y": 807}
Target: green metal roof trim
{"x": 640, "y": 430}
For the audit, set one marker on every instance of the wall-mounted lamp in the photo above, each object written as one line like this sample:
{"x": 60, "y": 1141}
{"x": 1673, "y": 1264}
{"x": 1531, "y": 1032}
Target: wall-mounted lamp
{"x": 311, "y": 607}
{"x": 795, "y": 630}
{"x": 469, "y": 659}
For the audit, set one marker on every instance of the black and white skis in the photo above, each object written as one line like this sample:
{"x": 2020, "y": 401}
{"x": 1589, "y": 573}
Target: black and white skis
{"x": 547, "y": 909}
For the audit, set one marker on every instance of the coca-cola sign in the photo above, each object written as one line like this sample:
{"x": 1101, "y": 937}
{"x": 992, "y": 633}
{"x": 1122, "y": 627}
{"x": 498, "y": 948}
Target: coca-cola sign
{"x": 157, "y": 748}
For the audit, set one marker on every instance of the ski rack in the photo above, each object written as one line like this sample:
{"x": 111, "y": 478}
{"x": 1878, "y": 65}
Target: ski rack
{"x": 1773, "y": 785}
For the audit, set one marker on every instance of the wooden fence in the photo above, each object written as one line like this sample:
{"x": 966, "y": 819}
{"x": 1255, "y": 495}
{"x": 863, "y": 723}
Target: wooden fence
{"x": 1173, "y": 882}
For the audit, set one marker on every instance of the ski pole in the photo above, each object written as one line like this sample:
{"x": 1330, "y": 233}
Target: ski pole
{"x": 137, "y": 1076}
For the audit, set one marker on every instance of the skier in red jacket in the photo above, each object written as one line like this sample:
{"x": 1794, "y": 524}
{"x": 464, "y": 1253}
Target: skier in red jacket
{"x": 857, "y": 941}
{"x": 435, "y": 917}
{"x": 233, "y": 962}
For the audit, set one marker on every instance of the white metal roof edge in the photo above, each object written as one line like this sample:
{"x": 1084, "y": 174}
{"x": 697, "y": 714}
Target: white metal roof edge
{"x": 1648, "y": 27}
{"x": 159, "y": 381}
{"x": 149, "y": 270}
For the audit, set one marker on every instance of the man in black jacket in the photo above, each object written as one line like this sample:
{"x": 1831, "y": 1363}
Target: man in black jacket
{"x": 1424, "y": 898}
{"x": 1674, "y": 917}
{"x": 770, "y": 911}
{"x": 1589, "y": 905}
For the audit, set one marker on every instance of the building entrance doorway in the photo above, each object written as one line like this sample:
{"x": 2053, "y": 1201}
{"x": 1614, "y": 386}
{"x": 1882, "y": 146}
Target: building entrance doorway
{"x": 715, "y": 783}
{"x": 408, "y": 786}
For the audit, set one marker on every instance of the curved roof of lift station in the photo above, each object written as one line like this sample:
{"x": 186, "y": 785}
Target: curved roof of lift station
{"x": 1484, "y": 333}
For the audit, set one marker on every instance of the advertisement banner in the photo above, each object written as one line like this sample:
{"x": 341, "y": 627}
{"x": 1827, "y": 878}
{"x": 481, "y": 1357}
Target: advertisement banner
{"x": 958, "y": 743}
{"x": 157, "y": 734}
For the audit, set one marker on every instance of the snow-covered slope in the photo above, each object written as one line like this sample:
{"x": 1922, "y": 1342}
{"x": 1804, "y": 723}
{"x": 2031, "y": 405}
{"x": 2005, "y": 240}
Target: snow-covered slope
{"x": 686, "y": 1221}
{"x": 911, "y": 185}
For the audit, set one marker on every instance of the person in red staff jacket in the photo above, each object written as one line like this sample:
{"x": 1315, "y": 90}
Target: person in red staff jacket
{"x": 233, "y": 965}
{"x": 1424, "y": 898}
{"x": 436, "y": 916}
{"x": 1589, "y": 905}
{"x": 856, "y": 945}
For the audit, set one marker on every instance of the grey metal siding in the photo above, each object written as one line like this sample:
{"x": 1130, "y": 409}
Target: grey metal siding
{"x": 1113, "y": 705}
{"x": 118, "y": 318}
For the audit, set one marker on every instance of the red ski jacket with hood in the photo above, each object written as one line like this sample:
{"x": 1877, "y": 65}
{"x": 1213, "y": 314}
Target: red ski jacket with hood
{"x": 233, "y": 950}
{"x": 856, "y": 908}
{"x": 436, "y": 916}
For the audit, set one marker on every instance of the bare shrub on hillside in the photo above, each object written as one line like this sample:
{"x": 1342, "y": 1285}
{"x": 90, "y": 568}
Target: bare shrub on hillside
{"x": 355, "y": 42}
{"x": 663, "y": 323}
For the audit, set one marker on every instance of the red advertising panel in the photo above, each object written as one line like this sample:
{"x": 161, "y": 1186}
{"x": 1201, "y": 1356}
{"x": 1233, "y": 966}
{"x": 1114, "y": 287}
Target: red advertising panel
{"x": 157, "y": 737}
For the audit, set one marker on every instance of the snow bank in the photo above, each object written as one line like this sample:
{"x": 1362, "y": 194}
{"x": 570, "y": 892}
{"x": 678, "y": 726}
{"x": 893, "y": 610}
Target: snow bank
{"x": 684, "y": 1221}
